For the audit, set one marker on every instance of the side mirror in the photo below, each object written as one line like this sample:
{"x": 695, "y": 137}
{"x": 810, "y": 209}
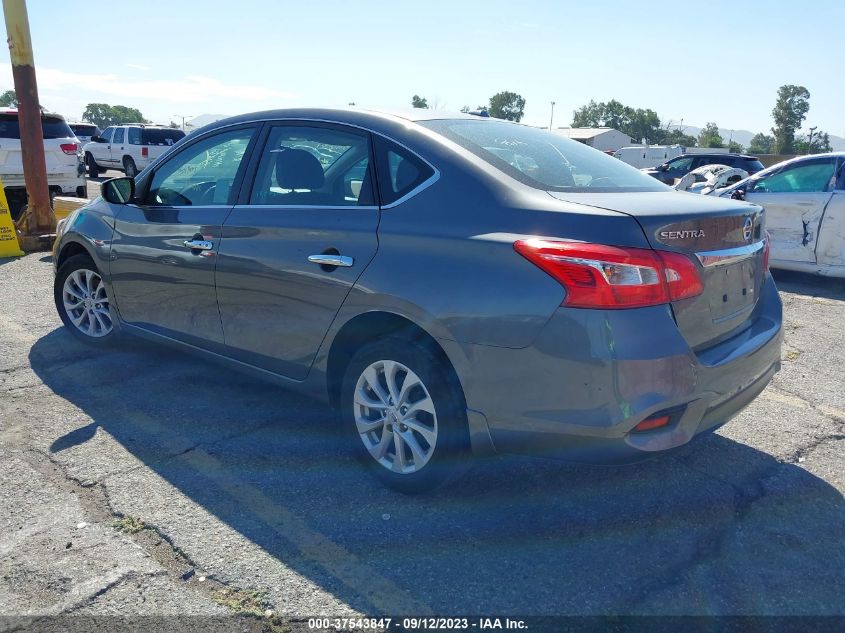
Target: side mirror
{"x": 97, "y": 139}
{"x": 118, "y": 190}
{"x": 738, "y": 194}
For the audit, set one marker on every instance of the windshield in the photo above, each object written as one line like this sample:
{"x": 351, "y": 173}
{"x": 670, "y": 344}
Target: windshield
{"x": 84, "y": 130}
{"x": 51, "y": 126}
{"x": 542, "y": 159}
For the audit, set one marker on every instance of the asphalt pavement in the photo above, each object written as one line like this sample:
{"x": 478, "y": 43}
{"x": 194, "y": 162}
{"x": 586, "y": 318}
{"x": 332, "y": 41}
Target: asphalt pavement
{"x": 139, "y": 480}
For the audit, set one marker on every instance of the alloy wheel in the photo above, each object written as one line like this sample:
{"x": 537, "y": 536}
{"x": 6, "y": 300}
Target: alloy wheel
{"x": 395, "y": 416}
{"x": 86, "y": 303}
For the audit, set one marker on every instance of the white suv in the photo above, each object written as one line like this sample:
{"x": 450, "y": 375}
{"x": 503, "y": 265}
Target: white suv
{"x": 65, "y": 171}
{"x": 128, "y": 148}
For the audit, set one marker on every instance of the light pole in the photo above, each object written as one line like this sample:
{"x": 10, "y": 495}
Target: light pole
{"x": 810, "y": 139}
{"x": 552, "y": 118}
{"x": 183, "y": 117}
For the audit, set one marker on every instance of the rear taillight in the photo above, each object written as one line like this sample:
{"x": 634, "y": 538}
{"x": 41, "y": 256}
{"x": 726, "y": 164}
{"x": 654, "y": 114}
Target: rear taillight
{"x": 600, "y": 276}
{"x": 69, "y": 148}
{"x": 767, "y": 247}
{"x": 145, "y": 151}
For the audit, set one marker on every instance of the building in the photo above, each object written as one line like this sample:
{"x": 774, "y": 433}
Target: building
{"x": 605, "y": 139}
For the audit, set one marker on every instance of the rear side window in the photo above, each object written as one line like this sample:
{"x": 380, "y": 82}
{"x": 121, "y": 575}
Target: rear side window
{"x": 752, "y": 165}
{"x": 160, "y": 136}
{"x": 52, "y": 127}
{"x": 119, "y": 135}
{"x": 134, "y": 134}
{"x": 399, "y": 171}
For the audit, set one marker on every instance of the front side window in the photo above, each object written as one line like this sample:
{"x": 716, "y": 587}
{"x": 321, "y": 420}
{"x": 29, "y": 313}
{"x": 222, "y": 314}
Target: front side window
{"x": 119, "y": 135}
{"x": 543, "y": 159}
{"x": 108, "y": 134}
{"x": 680, "y": 166}
{"x": 813, "y": 176}
{"x": 201, "y": 174}
{"x": 314, "y": 166}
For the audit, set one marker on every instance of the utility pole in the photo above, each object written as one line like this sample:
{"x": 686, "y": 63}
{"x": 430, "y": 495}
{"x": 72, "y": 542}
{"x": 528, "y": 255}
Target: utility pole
{"x": 38, "y": 220}
{"x": 183, "y": 117}
{"x": 810, "y": 139}
{"x": 552, "y": 118}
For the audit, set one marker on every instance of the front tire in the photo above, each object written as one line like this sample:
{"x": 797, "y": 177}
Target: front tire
{"x": 83, "y": 302}
{"x": 405, "y": 414}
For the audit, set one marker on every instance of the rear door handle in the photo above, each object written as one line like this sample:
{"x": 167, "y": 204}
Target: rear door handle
{"x": 331, "y": 260}
{"x": 199, "y": 245}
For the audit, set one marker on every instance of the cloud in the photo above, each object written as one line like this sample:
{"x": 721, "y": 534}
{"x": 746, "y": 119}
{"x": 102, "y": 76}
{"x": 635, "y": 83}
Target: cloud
{"x": 190, "y": 89}
{"x": 138, "y": 66}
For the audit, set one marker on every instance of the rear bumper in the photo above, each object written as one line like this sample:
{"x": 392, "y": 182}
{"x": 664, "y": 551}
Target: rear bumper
{"x": 592, "y": 376}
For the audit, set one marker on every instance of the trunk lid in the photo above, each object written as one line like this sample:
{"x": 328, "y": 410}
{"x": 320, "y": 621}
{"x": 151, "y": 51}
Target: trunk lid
{"x": 725, "y": 237}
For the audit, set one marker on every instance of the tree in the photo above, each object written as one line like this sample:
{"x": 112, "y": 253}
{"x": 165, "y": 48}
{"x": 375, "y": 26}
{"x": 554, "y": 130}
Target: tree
{"x": 8, "y": 99}
{"x": 419, "y": 102}
{"x": 638, "y": 123}
{"x": 819, "y": 144}
{"x": 507, "y": 105}
{"x": 104, "y": 115}
{"x": 762, "y": 144}
{"x": 674, "y": 137}
{"x": 710, "y": 137}
{"x": 789, "y": 112}
{"x": 735, "y": 147}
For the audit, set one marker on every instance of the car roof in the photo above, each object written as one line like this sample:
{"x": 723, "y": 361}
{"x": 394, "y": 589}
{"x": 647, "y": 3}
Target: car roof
{"x": 351, "y": 115}
{"x": 720, "y": 154}
{"x": 44, "y": 113}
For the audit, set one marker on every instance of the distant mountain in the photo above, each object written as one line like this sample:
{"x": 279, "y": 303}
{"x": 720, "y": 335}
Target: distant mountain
{"x": 743, "y": 137}
{"x": 203, "y": 119}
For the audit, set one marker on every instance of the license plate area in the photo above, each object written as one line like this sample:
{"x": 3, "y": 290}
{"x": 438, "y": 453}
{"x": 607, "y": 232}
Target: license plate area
{"x": 732, "y": 289}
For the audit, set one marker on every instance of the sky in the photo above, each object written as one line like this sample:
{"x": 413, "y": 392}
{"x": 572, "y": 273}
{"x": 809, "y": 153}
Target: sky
{"x": 714, "y": 61}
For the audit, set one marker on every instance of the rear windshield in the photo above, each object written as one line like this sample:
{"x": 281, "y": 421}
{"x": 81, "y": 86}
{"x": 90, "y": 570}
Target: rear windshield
{"x": 53, "y": 127}
{"x": 84, "y": 130}
{"x": 160, "y": 136}
{"x": 542, "y": 159}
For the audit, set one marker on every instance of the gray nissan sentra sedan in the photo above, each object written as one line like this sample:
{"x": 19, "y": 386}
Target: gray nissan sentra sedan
{"x": 452, "y": 285}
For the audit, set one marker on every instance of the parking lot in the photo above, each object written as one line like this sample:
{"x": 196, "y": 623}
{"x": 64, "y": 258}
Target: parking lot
{"x": 139, "y": 480}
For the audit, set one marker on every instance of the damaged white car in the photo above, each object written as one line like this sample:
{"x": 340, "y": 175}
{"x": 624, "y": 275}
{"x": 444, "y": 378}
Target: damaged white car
{"x": 804, "y": 200}
{"x": 708, "y": 178}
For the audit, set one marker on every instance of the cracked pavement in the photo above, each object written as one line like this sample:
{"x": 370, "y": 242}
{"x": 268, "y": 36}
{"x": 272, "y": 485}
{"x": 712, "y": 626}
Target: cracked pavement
{"x": 247, "y": 486}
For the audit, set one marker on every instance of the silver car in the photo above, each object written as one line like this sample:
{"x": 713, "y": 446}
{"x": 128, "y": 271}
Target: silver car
{"x": 452, "y": 285}
{"x": 804, "y": 200}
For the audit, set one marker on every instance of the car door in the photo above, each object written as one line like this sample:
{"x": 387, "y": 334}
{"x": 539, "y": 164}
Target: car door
{"x": 101, "y": 150}
{"x": 296, "y": 243}
{"x": 795, "y": 198}
{"x": 116, "y": 147}
{"x": 165, "y": 245}
{"x": 830, "y": 250}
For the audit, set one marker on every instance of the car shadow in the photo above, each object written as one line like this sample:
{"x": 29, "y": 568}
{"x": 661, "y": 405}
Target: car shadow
{"x": 810, "y": 285}
{"x": 715, "y": 528}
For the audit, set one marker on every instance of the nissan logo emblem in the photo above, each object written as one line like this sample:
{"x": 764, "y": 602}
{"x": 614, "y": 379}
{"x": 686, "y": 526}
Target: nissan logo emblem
{"x": 747, "y": 229}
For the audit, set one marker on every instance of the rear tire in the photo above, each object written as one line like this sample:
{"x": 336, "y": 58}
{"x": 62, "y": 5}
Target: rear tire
{"x": 404, "y": 413}
{"x": 83, "y": 302}
{"x": 93, "y": 168}
{"x": 129, "y": 168}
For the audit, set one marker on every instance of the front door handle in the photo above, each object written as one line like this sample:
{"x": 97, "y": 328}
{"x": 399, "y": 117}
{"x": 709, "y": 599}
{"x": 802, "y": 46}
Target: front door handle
{"x": 331, "y": 260}
{"x": 198, "y": 245}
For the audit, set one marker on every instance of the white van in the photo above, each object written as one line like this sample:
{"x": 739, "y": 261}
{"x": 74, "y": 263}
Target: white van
{"x": 648, "y": 155}
{"x": 65, "y": 171}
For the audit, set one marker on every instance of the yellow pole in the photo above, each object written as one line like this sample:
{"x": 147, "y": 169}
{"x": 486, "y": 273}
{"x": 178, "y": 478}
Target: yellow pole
{"x": 41, "y": 219}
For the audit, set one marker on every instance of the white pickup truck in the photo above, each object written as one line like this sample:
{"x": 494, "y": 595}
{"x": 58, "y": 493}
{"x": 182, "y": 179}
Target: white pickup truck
{"x": 128, "y": 148}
